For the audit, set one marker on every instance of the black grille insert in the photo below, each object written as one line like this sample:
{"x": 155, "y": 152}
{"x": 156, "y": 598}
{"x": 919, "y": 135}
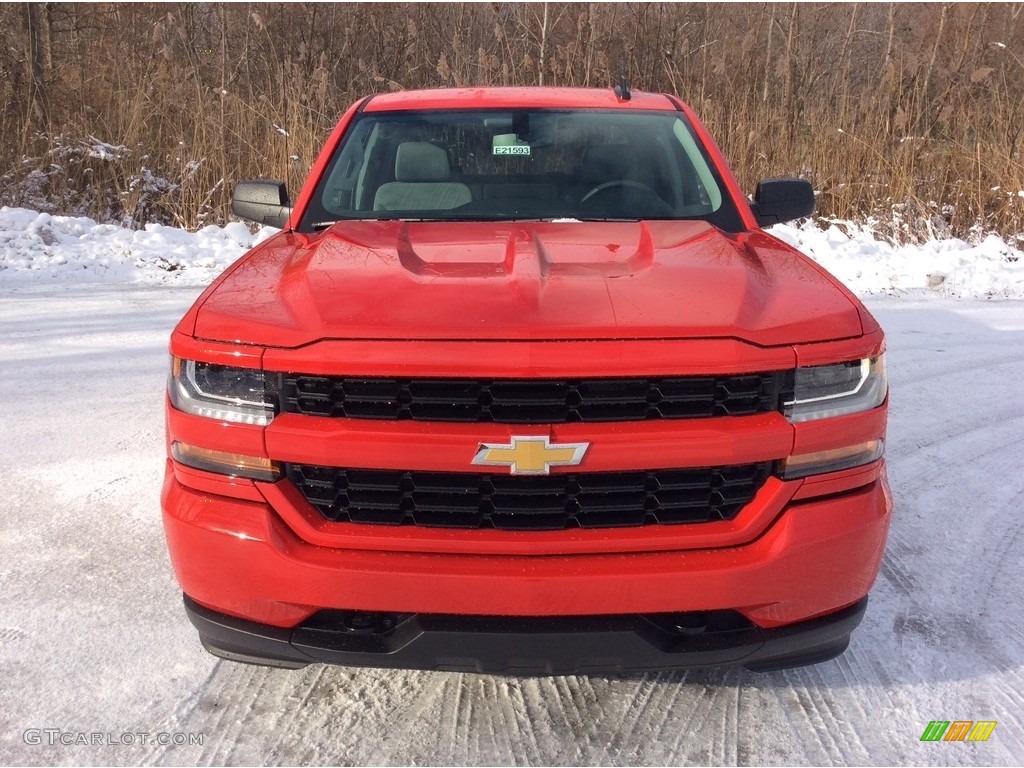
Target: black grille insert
{"x": 534, "y": 401}
{"x": 538, "y": 503}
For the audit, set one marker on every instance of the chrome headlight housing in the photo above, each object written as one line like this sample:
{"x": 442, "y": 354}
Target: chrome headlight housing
{"x": 220, "y": 392}
{"x": 825, "y": 391}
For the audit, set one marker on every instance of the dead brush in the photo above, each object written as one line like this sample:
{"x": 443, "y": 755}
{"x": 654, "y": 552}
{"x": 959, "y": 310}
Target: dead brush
{"x": 912, "y": 109}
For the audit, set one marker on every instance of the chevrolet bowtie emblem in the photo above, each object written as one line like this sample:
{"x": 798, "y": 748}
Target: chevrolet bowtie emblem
{"x": 530, "y": 455}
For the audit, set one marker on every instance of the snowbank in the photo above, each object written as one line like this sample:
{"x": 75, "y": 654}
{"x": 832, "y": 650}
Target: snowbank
{"x": 871, "y": 266}
{"x": 38, "y": 247}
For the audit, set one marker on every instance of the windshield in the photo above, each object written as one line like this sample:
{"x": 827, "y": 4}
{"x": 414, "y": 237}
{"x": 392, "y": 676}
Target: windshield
{"x": 520, "y": 164}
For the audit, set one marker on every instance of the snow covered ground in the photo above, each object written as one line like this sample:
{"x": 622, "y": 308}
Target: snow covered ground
{"x": 40, "y": 248}
{"x": 93, "y": 638}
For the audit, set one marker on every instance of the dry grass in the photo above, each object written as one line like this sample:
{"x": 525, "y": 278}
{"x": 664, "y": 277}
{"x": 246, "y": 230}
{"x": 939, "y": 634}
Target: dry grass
{"x": 910, "y": 115}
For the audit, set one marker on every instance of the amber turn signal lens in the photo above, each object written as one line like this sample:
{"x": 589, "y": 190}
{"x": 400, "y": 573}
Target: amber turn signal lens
{"x": 232, "y": 464}
{"x": 832, "y": 460}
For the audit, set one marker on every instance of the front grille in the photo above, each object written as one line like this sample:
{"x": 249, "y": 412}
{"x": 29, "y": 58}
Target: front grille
{"x": 534, "y": 401}
{"x": 537, "y": 503}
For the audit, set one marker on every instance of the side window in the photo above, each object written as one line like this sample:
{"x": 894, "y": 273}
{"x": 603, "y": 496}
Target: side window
{"x": 344, "y": 186}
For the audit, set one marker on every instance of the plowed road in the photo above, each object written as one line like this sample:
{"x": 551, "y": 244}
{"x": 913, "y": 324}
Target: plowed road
{"x": 93, "y": 639}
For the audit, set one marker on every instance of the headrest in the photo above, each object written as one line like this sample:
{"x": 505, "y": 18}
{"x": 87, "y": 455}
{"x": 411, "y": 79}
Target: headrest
{"x": 420, "y": 161}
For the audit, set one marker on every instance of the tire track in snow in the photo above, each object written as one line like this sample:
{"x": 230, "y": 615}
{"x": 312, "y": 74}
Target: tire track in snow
{"x": 802, "y": 733}
{"x": 573, "y": 711}
{"x": 106, "y": 490}
{"x": 1004, "y": 550}
{"x": 468, "y": 718}
{"x": 518, "y": 731}
{"x": 182, "y": 715}
{"x": 870, "y": 687}
{"x": 457, "y": 711}
{"x": 670, "y": 717}
{"x": 725, "y": 739}
{"x": 529, "y": 720}
{"x": 922, "y": 372}
{"x": 651, "y": 696}
{"x": 900, "y": 579}
{"x": 185, "y": 709}
{"x": 284, "y": 707}
{"x": 461, "y": 738}
{"x": 646, "y": 711}
{"x": 579, "y": 720}
{"x": 252, "y": 691}
{"x": 396, "y": 732}
{"x": 713, "y": 718}
{"x": 909, "y": 447}
{"x": 987, "y": 504}
{"x": 10, "y": 634}
{"x": 839, "y": 712}
{"x": 505, "y": 727}
{"x": 813, "y": 700}
{"x": 482, "y": 719}
{"x": 834, "y": 724}
{"x": 568, "y": 714}
{"x": 354, "y": 710}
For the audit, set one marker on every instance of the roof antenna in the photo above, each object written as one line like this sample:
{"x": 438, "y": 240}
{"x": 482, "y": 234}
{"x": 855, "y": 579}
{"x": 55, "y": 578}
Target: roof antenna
{"x": 622, "y": 90}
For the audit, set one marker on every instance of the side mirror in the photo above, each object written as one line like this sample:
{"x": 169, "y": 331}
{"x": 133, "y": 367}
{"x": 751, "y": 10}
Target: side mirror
{"x": 263, "y": 202}
{"x": 780, "y": 200}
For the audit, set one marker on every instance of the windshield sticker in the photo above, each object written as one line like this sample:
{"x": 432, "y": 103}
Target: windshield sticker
{"x": 522, "y": 149}
{"x": 509, "y": 144}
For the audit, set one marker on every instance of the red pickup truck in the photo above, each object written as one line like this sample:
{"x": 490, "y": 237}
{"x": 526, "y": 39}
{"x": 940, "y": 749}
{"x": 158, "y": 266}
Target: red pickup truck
{"x": 523, "y": 387}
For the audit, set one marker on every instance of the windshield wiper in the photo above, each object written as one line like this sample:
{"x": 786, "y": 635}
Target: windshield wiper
{"x": 319, "y": 225}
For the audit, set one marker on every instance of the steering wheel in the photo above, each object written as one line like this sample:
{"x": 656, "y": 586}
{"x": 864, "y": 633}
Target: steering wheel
{"x": 628, "y": 183}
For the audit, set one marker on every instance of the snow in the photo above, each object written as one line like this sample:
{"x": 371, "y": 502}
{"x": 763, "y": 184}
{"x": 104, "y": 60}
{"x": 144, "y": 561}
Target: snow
{"x": 93, "y": 638}
{"x": 103, "y": 151}
{"x": 955, "y": 268}
{"x": 41, "y": 248}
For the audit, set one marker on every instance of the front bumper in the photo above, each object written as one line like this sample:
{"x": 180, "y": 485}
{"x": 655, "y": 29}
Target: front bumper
{"x": 253, "y": 583}
{"x": 526, "y": 646}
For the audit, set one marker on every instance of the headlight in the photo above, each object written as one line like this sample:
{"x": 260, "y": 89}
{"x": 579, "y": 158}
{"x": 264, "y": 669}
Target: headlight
{"x": 220, "y": 392}
{"x": 824, "y": 391}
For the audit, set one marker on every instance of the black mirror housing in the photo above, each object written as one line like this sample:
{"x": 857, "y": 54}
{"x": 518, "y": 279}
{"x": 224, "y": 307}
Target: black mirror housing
{"x": 262, "y": 202}
{"x": 780, "y": 200}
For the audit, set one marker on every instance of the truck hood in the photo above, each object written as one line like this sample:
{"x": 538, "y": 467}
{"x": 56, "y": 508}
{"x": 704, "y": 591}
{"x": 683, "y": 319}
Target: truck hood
{"x": 525, "y": 281}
